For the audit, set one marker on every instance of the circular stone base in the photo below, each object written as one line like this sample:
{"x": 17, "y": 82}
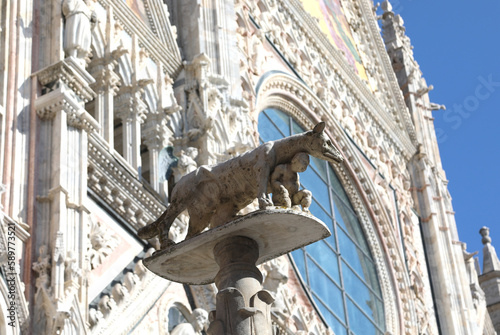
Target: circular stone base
{"x": 276, "y": 232}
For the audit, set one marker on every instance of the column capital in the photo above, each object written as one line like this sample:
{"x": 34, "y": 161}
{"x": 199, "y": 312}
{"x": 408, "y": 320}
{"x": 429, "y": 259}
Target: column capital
{"x": 129, "y": 103}
{"x": 106, "y": 79}
{"x": 102, "y": 69}
{"x": 154, "y": 130}
{"x": 63, "y": 99}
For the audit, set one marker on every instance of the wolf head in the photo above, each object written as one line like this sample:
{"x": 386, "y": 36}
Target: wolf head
{"x": 321, "y": 146}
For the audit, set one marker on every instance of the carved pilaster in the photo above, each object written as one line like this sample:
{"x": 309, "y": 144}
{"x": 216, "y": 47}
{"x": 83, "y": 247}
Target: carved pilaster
{"x": 411, "y": 82}
{"x": 448, "y": 275}
{"x": 212, "y": 34}
{"x": 154, "y": 131}
{"x": 62, "y": 193}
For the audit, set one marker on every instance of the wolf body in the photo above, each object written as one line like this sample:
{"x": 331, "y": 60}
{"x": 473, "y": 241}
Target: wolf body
{"x": 213, "y": 195}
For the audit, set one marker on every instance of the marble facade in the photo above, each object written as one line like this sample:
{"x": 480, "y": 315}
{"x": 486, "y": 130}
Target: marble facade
{"x": 93, "y": 91}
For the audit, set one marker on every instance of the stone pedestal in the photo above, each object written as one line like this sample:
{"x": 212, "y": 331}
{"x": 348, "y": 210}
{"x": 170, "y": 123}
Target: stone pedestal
{"x": 243, "y": 307}
{"x": 228, "y": 255}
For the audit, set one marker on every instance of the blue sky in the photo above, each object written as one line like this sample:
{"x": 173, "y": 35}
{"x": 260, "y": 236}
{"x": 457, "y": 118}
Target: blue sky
{"x": 457, "y": 45}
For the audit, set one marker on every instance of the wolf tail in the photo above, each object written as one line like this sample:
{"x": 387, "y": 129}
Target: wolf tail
{"x": 149, "y": 231}
{"x": 152, "y": 229}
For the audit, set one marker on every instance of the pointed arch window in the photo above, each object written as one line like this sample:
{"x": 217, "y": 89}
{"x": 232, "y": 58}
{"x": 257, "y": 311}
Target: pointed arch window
{"x": 339, "y": 272}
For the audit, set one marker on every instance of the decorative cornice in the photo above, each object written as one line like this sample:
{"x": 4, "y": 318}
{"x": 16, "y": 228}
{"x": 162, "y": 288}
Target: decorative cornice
{"x": 154, "y": 130}
{"x": 129, "y": 104}
{"x": 159, "y": 18}
{"x": 71, "y": 74}
{"x": 130, "y": 300}
{"x": 106, "y": 79}
{"x": 117, "y": 185}
{"x": 82, "y": 120}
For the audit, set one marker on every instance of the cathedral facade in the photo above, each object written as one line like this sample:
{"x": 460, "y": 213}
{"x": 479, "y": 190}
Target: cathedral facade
{"x": 106, "y": 104}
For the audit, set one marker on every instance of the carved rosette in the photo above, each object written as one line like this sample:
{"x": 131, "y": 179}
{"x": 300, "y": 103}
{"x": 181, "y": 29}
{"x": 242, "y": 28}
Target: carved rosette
{"x": 103, "y": 243}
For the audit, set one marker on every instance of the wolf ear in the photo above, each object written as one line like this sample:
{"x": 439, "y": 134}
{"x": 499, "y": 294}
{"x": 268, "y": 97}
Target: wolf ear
{"x": 319, "y": 128}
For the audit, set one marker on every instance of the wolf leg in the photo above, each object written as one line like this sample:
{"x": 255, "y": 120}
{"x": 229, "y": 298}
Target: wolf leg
{"x": 153, "y": 229}
{"x": 265, "y": 164}
{"x": 225, "y": 212}
{"x": 198, "y": 222}
{"x": 174, "y": 212}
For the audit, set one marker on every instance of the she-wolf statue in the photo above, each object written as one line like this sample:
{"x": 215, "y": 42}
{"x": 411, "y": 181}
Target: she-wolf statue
{"x": 213, "y": 195}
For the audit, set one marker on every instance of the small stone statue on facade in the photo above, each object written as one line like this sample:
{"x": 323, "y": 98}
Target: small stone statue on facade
{"x": 198, "y": 324}
{"x": 77, "y": 32}
{"x": 71, "y": 269}
{"x": 472, "y": 276}
{"x": 469, "y": 264}
{"x": 43, "y": 268}
{"x": 187, "y": 162}
{"x": 285, "y": 184}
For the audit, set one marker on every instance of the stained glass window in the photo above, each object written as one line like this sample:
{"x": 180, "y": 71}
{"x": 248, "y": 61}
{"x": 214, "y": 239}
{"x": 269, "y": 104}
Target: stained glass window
{"x": 339, "y": 272}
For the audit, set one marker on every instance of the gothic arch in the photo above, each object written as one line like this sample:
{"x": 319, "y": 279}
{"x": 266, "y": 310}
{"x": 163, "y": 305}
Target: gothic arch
{"x": 151, "y": 98}
{"x": 168, "y": 303}
{"x": 124, "y": 69}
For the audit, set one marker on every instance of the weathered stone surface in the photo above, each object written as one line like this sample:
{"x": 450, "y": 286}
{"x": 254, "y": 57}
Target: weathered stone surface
{"x": 276, "y": 232}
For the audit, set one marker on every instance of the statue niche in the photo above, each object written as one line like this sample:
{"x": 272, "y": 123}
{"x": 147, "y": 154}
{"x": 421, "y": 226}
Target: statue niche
{"x": 213, "y": 195}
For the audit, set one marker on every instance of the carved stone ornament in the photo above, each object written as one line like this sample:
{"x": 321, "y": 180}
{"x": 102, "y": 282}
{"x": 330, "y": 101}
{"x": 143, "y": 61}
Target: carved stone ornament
{"x": 117, "y": 311}
{"x": 43, "y": 267}
{"x": 213, "y": 195}
{"x": 199, "y": 323}
{"x": 103, "y": 243}
{"x": 187, "y": 162}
